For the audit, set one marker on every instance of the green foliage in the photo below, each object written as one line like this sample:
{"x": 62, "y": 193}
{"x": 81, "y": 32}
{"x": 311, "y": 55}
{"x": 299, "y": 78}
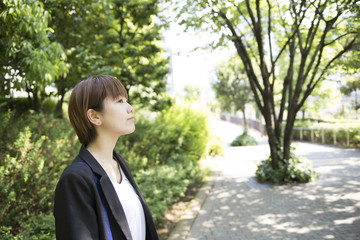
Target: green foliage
{"x": 244, "y": 140}
{"x": 176, "y": 130}
{"x": 296, "y": 169}
{"x": 185, "y": 128}
{"x": 341, "y": 128}
{"x": 283, "y": 57}
{"x": 162, "y": 154}
{"x": 35, "y": 151}
{"x": 31, "y": 60}
{"x": 331, "y": 124}
{"x": 215, "y": 146}
{"x": 352, "y": 85}
{"x": 322, "y": 97}
{"x": 192, "y": 93}
{"x": 60, "y": 42}
{"x": 231, "y": 86}
{"x": 21, "y": 105}
{"x": 39, "y": 227}
{"x": 113, "y": 37}
{"x": 164, "y": 184}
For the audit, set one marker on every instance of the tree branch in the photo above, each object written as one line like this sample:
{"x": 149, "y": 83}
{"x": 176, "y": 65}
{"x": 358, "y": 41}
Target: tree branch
{"x": 254, "y": 83}
{"x": 246, "y": 20}
{"x": 339, "y": 37}
{"x": 270, "y": 45}
{"x": 310, "y": 86}
{"x": 321, "y": 46}
{"x": 251, "y": 14}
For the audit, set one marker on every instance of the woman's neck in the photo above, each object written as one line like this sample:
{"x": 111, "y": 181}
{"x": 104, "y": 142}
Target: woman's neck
{"x": 102, "y": 149}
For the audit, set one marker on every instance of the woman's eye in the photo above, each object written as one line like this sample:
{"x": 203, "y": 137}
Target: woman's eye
{"x": 121, "y": 101}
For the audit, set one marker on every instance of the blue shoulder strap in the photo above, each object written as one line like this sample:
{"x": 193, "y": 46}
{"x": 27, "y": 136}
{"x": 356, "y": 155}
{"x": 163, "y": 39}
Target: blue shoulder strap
{"x": 108, "y": 231}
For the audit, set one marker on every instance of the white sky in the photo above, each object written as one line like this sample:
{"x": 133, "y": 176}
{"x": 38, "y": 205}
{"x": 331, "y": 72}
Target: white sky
{"x": 189, "y": 67}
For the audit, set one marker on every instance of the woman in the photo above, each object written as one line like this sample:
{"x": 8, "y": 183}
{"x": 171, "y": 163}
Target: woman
{"x": 96, "y": 196}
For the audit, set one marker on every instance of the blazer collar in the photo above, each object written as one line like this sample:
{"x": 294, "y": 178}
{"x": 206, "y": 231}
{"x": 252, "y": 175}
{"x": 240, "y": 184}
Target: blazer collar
{"x": 108, "y": 190}
{"x": 149, "y": 221}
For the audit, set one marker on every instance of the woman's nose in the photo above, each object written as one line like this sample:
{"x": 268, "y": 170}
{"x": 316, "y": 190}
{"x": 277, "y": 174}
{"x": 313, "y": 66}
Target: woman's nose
{"x": 130, "y": 108}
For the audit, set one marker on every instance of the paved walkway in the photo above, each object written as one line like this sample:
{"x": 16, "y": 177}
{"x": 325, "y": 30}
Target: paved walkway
{"x": 235, "y": 206}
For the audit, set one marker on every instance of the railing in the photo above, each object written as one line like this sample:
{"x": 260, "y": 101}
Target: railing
{"x": 339, "y": 136}
{"x": 254, "y": 124}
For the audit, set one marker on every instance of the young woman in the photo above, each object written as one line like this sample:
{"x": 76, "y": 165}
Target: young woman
{"x": 96, "y": 196}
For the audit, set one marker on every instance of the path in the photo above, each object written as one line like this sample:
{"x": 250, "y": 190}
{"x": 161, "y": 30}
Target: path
{"x": 235, "y": 206}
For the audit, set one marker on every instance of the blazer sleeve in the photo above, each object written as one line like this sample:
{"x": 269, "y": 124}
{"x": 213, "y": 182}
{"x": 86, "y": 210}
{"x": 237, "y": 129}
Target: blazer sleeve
{"x": 74, "y": 207}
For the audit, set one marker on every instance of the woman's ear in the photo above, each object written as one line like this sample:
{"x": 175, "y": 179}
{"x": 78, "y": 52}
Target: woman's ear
{"x": 93, "y": 117}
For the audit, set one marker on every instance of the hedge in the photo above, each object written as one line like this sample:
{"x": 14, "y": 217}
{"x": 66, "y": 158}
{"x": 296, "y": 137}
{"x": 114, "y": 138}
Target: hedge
{"x": 162, "y": 153}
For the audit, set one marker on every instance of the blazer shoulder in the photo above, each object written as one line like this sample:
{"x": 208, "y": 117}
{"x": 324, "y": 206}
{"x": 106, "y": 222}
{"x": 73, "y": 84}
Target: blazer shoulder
{"x": 76, "y": 172}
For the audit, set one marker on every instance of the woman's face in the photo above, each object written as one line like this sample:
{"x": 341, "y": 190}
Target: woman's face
{"x": 117, "y": 116}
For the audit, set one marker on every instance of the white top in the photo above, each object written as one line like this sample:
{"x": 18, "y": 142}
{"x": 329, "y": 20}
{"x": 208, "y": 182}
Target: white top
{"x": 131, "y": 204}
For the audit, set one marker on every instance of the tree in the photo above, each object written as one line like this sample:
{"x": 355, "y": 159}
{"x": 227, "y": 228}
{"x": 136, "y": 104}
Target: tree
{"x": 232, "y": 88}
{"x": 80, "y": 28}
{"x": 30, "y": 60}
{"x": 352, "y": 85}
{"x": 306, "y": 36}
{"x": 59, "y": 43}
{"x": 192, "y": 93}
{"x": 134, "y": 52}
{"x": 322, "y": 97}
{"x": 349, "y": 63}
{"x": 113, "y": 37}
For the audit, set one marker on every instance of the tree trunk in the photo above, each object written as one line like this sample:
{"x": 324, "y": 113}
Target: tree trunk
{"x": 244, "y": 117}
{"x": 29, "y": 91}
{"x": 36, "y": 105}
{"x": 274, "y": 146}
{"x": 274, "y": 141}
{"x": 288, "y": 138}
{"x": 303, "y": 114}
{"x": 61, "y": 94}
{"x": 58, "y": 110}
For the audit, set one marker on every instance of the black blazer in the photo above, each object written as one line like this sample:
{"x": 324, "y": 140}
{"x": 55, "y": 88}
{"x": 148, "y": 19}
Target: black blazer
{"x": 78, "y": 211}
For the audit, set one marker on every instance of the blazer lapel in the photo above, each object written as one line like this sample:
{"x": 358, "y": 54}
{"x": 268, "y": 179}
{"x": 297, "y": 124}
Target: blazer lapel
{"x": 149, "y": 221}
{"x": 130, "y": 177}
{"x": 109, "y": 192}
{"x": 115, "y": 205}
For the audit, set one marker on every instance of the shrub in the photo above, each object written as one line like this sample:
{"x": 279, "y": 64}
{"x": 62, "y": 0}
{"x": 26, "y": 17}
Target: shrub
{"x": 39, "y": 227}
{"x": 164, "y": 184}
{"x": 215, "y": 146}
{"x": 175, "y": 131}
{"x": 162, "y": 153}
{"x": 294, "y": 170}
{"x": 21, "y": 105}
{"x": 37, "y": 149}
{"x": 339, "y": 126}
{"x": 244, "y": 140}
{"x": 184, "y": 128}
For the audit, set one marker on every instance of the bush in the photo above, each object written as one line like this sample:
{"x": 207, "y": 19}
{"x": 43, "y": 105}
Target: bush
{"x": 215, "y": 146}
{"x": 339, "y": 126}
{"x": 164, "y": 184}
{"x": 175, "y": 131}
{"x": 21, "y": 105}
{"x": 36, "y": 149}
{"x": 244, "y": 140}
{"x": 162, "y": 154}
{"x": 39, "y": 227}
{"x": 294, "y": 170}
